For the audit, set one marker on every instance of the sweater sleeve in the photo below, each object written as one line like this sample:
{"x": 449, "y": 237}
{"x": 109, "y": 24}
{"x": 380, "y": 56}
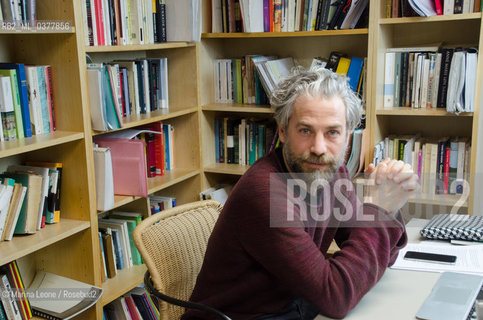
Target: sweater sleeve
{"x": 334, "y": 285}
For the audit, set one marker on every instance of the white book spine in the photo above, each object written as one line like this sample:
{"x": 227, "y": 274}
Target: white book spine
{"x": 448, "y": 7}
{"x": 34, "y": 99}
{"x": 390, "y": 60}
{"x": 216, "y": 80}
{"x": 424, "y": 83}
{"x": 7, "y": 297}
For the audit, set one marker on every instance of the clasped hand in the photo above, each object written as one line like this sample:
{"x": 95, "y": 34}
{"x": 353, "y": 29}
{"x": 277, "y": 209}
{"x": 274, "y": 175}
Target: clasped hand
{"x": 390, "y": 184}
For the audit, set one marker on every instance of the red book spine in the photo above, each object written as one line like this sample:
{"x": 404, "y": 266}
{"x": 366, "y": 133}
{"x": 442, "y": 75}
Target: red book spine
{"x": 439, "y": 7}
{"x": 133, "y": 310}
{"x": 270, "y": 6}
{"x": 99, "y": 23}
{"x": 446, "y": 170}
{"x": 151, "y": 154}
{"x": 50, "y": 96}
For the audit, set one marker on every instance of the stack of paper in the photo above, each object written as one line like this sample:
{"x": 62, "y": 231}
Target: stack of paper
{"x": 469, "y": 259}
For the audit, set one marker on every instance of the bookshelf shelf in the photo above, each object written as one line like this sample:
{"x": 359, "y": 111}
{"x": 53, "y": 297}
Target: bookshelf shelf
{"x": 9, "y": 148}
{"x": 440, "y": 199}
{"x": 154, "y": 116}
{"x": 170, "y": 178}
{"x": 125, "y": 280}
{"x": 140, "y": 47}
{"x": 225, "y": 168}
{"x": 23, "y": 245}
{"x": 449, "y": 18}
{"x": 362, "y": 31}
{"x": 433, "y": 112}
{"x": 233, "y": 107}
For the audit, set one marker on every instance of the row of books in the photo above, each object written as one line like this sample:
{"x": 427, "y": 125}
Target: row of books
{"x": 411, "y": 8}
{"x": 442, "y": 164}
{"x": 236, "y": 80}
{"x": 287, "y": 15}
{"x": 117, "y": 245}
{"x": 25, "y": 293}
{"x": 29, "y": 198}
{"x": 252, "y": 78}
{"x": 123, "y": 160}
{"x": 160, "y": 203}
{"x": 19, "y": 12}
{"x": 354, "y": 157}
{"x": 131, "y": 22}
{"x": 219, "y": 193}
{"x": 243, "y": 141}
{"x": 26, "y": 101}
{"x": 431, "y": 77}
{"x": 122, "y": 88}
{"x": 136, "y": 304}
{"x": 124, "y": 22}
{"x": 354, "y": 68}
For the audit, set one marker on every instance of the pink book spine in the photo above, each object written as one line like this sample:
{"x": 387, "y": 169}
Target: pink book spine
{"x": 439, "y": 7}
{"x": 420, "y": 156}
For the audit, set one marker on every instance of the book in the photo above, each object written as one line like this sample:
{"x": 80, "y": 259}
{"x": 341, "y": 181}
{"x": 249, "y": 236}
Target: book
{"x": 54, "y": 196}
{"x": 44, "y": 102}
{"x": 183, "y": 20}
{"x": 121, "y": 226}
{"x": 109, "y": 252}
{"x": 7, "y": 297}
{"x": 7, "y": 110}
{"x": 29, "y": 214}
{"x": 131, "y": 222}
{"x": 34, "y": 99}
{"x": 17, "y": 108}
{"x": 104, "y": 178}
{"x": 6, "y": 193}
{"x": 44, "y": 173}
{"x": 133, "y": 310}
{"x": 116, "y": 240}
{"x": 82, "y": 296}
{"x": 13, "y": 213}
{"x": 16, "y": 282}
{"x": 354, "y": 72}
{"x": 128, "y": 165}
{"x": 389, "y": 84}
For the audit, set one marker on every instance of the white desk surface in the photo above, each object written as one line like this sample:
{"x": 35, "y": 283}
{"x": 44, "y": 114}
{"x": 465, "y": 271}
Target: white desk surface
{"x": 399, "y": 293}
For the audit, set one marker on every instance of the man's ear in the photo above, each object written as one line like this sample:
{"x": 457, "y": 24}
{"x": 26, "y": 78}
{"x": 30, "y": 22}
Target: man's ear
{"x": 281, "y": 134}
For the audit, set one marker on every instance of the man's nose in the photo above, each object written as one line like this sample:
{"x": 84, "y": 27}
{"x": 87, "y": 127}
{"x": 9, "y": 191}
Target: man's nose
{"x": 319, "y": 145}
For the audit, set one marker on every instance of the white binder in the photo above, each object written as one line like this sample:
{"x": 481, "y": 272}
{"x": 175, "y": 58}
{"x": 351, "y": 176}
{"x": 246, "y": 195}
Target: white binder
{"x": 104, "y": 178}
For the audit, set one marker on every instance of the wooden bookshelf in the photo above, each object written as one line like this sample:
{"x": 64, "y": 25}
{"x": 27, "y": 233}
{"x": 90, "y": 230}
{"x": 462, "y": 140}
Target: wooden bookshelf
{"x": 225, "y": 168}
{"x": 71, "y": 247}
{"x": 125, "y": 280}
{"x": 23, "y": 245}
{"x": 56, "y": 138}
{"x": 429, "y": 112}
{"x": 323, "y": 33}
{"x": 430, "y": 122}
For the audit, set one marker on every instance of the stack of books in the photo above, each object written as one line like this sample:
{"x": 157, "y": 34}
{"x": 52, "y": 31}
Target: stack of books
{"x": 29, "y": 198}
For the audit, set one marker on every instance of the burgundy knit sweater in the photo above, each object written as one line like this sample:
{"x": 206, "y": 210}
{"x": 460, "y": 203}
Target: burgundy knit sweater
{"x": 252, "y": 268}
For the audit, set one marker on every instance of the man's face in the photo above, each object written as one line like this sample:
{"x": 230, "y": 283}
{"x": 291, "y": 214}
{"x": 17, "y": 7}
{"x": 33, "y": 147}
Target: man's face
{"x": 315, "y": 139}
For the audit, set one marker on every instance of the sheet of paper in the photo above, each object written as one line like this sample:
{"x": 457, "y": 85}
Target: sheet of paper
{"x": 469, "y": 259}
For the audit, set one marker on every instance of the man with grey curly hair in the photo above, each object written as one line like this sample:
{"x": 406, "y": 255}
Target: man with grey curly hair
{"x": 266, "y": 257}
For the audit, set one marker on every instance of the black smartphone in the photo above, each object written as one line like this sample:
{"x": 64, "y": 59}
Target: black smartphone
{"x": 430, "y": 257}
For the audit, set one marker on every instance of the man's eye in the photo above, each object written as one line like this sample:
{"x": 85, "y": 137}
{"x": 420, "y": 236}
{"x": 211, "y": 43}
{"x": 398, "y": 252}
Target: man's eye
{"x": 304, "y": 131}
{"x": 333, "y": 133}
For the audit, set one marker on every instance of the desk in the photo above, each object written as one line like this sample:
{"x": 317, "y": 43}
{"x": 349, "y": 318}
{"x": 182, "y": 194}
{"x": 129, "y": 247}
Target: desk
{"x": 399, "y": 293}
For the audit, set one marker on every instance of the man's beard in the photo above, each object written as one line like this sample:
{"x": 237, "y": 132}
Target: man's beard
{"x": 331, "y": 164}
